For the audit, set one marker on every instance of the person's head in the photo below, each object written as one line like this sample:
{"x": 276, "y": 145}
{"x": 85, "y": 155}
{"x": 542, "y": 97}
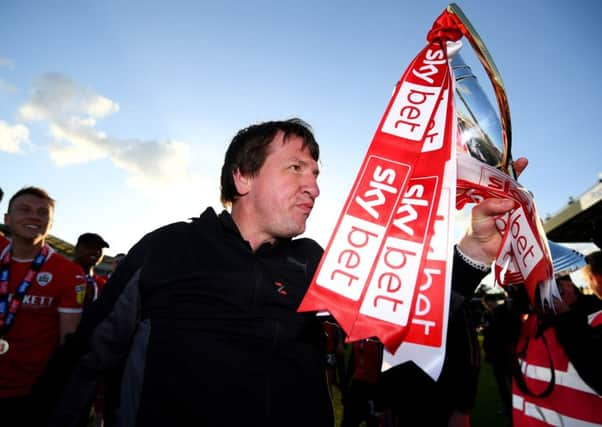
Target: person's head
{"x": 116, "y": 260}
{"x": 593, "y": 272}
{"x": 490, "y": 301}
{"x": 269, "y": 177}
{"x": 567, "y": 289}
{"x": 88, "y": 250}
{"x": 29, "y": 214}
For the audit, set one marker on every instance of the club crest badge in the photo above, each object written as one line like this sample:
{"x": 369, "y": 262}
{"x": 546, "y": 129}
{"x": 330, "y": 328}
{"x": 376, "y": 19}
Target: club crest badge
{"x": 43, "y": 278}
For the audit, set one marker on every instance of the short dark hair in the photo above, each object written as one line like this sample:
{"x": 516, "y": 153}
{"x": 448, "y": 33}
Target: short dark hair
{"x": 248, "y": 150}
{"x": 1, "y": 194}
{"x": 594, "y": 263}
{"x": 33, "y": 191}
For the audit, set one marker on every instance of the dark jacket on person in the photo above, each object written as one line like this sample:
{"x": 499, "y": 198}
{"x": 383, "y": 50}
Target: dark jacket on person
{"x": 203, "y": 331}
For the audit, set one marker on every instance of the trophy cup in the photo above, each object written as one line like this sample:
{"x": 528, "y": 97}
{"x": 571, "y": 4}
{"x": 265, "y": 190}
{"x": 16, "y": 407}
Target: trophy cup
{"x": 484, "y": 133}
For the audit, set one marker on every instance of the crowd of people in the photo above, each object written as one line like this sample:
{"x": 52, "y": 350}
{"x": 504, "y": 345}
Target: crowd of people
{"x": 198, "y": 323}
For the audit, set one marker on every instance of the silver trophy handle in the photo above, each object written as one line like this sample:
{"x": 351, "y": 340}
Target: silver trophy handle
{"x": 505, "y": 161}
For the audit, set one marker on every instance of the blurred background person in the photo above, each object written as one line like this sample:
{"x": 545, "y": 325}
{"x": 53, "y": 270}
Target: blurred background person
{"x": 88, "y": 254}
{"x": 361, "y": 396}
{"x": 557, "y": 375}
{"x": 593, "y": 273}
{"x": 499, "y": 326}
{"x": 115, "y": 263}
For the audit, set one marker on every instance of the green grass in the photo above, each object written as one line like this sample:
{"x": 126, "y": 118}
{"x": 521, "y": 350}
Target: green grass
{"x": 488, "y": 401}
{"x": 337, "y": 405}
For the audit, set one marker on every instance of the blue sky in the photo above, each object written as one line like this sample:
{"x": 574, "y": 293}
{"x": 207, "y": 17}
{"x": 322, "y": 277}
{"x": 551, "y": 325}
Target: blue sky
{"x": 122, "y": 109}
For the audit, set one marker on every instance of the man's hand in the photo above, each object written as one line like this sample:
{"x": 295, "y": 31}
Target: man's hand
{"x": 482, "y": 239}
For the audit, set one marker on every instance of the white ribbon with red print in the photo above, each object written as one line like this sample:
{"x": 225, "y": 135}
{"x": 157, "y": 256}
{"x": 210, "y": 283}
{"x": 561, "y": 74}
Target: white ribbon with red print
{"x": 386, "y": 271}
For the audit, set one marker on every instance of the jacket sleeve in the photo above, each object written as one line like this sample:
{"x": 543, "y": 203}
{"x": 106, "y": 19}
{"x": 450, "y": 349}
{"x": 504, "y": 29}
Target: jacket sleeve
{"x": 76, "y": 361}
{"x": 582, "y": 344}
{"x": 465, "y": 278}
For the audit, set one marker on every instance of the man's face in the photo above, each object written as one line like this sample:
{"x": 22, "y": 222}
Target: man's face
{"x": 29, "y": 218}
{"x": 280, "y": 198}
{"x": 88, "y": 255}
{"x": 567, "y": 291}
{"x": 595, "y": 283}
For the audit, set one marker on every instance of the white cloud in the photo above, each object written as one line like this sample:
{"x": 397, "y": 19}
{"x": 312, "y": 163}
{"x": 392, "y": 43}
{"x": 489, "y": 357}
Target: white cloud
{"x": 13, "y": 137}
{"x": 72, "y": 113}
{"x": 56, "y": 98}
{"x": 100, "y": 106}
{"x": 154, "y": 162}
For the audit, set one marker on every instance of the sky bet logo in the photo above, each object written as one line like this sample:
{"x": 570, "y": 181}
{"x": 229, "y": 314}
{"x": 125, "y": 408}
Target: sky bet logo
{"x": 414, "y": 210}
{"x": 377, "y": 190}
{"x": 392, "y": 285}
{"x": 412, "y": 109}
{"x": 359, "y": 234}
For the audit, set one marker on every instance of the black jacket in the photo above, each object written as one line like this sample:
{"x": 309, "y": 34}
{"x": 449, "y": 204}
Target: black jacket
{"x": 413, "y": 396}
{"x": 204, "y": 332}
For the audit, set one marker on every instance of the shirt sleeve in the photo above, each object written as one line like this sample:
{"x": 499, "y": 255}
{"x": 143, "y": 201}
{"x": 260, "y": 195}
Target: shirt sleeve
{"x": 73, "y": 289}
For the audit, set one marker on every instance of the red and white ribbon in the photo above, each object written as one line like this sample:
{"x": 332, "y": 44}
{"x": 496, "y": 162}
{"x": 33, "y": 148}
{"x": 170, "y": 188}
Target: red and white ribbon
{"x": 524, "y": 256}
{"x": 386, "y": 270}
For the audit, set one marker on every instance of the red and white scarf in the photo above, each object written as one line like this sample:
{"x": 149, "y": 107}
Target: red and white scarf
{"x": 386, "y": 270}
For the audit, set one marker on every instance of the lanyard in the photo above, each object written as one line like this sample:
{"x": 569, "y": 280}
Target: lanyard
{"x": 8, "y": 310}
{"x": 91, "y": 290}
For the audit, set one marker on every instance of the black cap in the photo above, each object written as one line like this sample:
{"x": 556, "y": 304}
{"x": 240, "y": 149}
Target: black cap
{"x": 92, "y": 239}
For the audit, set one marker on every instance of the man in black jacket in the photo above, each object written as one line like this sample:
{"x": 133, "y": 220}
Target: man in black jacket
{"x": 201, "y": 317}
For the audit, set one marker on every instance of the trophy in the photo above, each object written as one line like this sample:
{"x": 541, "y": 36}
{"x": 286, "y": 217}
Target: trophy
{"x": 484, "y": 133}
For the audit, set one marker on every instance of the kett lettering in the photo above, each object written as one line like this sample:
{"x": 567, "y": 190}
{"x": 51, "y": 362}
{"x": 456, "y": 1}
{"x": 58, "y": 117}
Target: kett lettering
{"x": 37, "y": 300}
